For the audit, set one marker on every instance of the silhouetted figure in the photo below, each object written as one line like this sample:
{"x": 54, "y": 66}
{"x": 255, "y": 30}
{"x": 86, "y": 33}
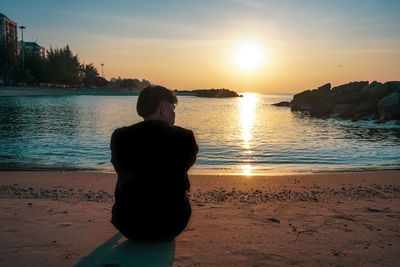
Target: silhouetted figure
{"x": 152, "y": 159}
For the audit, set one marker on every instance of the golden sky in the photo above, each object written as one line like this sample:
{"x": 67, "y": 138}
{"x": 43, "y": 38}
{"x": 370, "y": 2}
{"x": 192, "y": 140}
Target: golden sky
{"x": 195, "y": 44}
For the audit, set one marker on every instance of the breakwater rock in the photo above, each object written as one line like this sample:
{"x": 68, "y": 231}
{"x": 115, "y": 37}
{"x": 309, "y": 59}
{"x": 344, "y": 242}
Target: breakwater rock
{"x": 354, "y": 101}
{"x": 216, "y": 93}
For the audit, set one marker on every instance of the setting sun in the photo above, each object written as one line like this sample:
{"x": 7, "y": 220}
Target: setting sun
{"x": 248, "y": 56}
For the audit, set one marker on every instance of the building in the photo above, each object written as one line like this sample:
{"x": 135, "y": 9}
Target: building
{"x": 33, "y": 48}
{"x": 8, "y": 30}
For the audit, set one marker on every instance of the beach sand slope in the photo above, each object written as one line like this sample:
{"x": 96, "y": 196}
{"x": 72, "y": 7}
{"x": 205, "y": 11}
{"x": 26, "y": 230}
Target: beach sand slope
{"x": 346, "y": 219}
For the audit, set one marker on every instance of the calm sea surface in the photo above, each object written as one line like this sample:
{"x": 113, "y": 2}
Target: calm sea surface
{"x": 242, "y": 135}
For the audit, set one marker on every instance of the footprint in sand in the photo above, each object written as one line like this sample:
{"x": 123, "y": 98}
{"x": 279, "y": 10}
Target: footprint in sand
{"x": 64, "y": 224}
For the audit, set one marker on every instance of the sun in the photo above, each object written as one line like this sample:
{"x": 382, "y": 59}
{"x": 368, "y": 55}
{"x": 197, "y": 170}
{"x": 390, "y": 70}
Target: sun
{"x": 248, "y": 56}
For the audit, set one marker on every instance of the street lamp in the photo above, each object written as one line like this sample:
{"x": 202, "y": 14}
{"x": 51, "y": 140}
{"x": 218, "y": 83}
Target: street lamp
{"x": 23, "y": 50}
{"x": 102, "y": 74}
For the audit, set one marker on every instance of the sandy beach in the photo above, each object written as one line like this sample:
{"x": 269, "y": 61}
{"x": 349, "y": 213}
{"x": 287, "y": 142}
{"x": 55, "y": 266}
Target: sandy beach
{"x": 341, "y": 219}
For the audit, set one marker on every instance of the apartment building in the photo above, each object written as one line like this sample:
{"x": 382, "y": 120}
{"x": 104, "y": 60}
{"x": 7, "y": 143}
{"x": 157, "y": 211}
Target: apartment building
{"x": 33, "y": 48}
{"x": 8, "y": 29}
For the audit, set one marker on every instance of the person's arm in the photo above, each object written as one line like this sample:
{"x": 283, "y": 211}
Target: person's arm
{"x": 186, "y": 184}
{"x": 191, "y": 150}
{"x": 113, "y": 149}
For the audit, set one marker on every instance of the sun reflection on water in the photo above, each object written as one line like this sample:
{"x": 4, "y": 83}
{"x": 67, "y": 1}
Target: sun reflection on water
{"x": 247, "y": 106}
{"x": 246, "y": 169}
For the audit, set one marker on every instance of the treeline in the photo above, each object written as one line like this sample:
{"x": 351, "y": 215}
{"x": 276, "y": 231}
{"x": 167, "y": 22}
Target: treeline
{"x": 60, "y": 68}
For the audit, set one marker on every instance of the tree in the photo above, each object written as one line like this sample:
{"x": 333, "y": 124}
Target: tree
{"x": 63, "y": 67}
{"x": 90, "y": 76}
{"x": 22, "y": 75}
{"x": 128, "y": 84}
{"x": 60, "y": 68}
{"x": 37, "y": 67}
{"x": 8, "y": 59}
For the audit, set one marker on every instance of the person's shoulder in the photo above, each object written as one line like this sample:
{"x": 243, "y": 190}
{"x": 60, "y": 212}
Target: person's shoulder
{"x": 126, "y": 129}
{"x": 182, "y": 131}
{"x": 186, "y": 140}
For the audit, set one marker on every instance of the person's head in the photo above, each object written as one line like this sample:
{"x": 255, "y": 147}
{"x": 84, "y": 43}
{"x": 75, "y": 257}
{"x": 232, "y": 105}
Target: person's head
{"x": 157, "y": 103}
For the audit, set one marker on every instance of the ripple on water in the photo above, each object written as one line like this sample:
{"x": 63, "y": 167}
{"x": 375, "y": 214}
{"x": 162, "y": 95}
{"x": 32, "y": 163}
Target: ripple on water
{"x": 233, "y": 134}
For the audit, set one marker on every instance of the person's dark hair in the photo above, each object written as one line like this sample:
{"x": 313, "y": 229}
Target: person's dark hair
{"x": 151, "y": 97}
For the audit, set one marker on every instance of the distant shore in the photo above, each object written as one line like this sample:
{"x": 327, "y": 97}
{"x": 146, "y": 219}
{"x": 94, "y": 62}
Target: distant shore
{"x": 32, "y": 91}
{"x": 345, "y": 219}
{"x": 44, "y": 91}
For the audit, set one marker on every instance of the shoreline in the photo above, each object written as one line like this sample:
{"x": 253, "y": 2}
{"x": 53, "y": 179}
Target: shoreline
{"x": 222, "y": 172}
{"x": 9, "y": 91}
{"x": 54, "y": 91}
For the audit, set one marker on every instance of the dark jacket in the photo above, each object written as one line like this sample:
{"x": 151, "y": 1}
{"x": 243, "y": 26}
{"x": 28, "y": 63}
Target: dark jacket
{"x": 151, "y": 159}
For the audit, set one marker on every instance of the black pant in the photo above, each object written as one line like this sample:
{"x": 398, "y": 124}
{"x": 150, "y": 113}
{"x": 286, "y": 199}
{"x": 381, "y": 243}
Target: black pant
{"x": 144, "y": 227}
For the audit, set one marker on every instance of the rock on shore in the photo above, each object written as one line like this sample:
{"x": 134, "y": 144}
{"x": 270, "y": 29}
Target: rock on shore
{"x": 354, "y": 101}
{"x": 216, "y": 93}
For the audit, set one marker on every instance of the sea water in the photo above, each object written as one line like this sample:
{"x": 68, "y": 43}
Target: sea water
{"x": 239, "y": 135}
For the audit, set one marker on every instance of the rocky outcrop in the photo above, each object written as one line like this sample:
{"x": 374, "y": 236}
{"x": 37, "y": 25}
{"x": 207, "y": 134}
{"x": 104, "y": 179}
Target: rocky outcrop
{"x": 219, "y": 93}
{"x": 216, "y": 93}
{"x": 389, "y": 107}
{"x": 355, "y": 101}
{"x": 282, "y": 104}
{"x": 315, "y": 102}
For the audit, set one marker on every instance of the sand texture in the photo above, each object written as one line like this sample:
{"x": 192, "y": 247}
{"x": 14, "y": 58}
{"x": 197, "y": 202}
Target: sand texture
{"x": 344, "y": 219}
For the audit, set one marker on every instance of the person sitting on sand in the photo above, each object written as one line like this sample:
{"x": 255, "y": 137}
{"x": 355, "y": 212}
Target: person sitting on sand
{"x": 152, "y": 159}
